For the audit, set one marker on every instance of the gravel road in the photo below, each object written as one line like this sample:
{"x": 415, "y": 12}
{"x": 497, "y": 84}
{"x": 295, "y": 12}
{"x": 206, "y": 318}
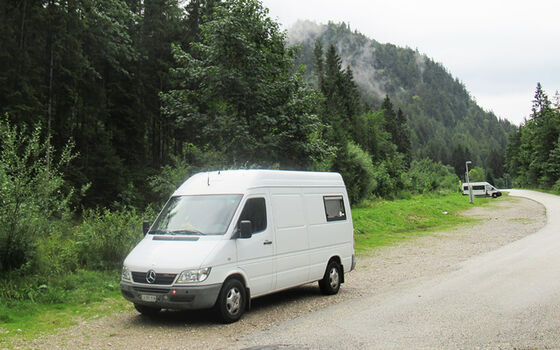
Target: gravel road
{"x": 386, "y": 271}
{"x": 504, "y": 299}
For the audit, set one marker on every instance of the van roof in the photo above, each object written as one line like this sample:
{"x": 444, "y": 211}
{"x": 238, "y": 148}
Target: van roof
{"x": 476, "y": 183}
{"x": 239, "y": 181}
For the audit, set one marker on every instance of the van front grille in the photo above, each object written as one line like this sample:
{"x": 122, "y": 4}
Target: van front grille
{"x": 151, "y": 290}
{"x": 161, "y": 278}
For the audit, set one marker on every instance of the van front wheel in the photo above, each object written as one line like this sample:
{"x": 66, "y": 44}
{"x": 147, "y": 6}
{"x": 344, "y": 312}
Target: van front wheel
{"x": 231, "y": 301}
{"x": 330, "y": 284}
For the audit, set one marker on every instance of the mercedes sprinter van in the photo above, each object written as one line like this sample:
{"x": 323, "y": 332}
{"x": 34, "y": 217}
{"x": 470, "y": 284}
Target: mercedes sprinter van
{"x": 481, "y": 189}
{"x": 226, "y": 237}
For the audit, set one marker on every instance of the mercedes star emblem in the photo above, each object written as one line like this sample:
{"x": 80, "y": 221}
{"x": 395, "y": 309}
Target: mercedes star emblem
{"x": 151, "y": 276}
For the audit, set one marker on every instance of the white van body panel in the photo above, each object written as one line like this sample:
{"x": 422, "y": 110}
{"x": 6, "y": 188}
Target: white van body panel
{"x": 292, "y": 244}
{"x": 170, "y": 256}
{"x": 294, "y": 248}
{"x": 254, "y": 257}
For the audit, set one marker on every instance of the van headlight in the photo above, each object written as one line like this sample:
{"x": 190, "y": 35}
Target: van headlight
{"x": 190, "y": 276}
{"x": 126, "y": 275}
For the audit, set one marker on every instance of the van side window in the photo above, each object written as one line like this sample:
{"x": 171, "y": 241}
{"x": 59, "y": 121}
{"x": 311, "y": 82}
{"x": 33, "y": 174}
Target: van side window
{"x": 334, "y": 208}
{"x": 255, "y": 211}
{"x": 478, "y": 188}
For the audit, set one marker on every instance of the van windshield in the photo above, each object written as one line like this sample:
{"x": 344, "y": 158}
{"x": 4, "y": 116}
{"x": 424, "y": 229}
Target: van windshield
{"x": 198, "y": 215}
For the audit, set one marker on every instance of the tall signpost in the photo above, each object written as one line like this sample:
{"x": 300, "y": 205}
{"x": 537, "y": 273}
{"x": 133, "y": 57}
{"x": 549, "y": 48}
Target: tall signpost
{"x": 468, "y": 182}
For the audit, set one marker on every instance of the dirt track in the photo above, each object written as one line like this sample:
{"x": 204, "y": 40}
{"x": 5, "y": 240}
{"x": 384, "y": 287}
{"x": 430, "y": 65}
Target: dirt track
{"x": 506, "y": 220}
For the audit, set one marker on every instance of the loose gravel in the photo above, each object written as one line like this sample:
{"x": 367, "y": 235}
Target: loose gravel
{"x": 507, "y": 219}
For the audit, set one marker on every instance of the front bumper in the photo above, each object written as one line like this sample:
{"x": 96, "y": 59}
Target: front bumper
{"x": 184, "y": 298}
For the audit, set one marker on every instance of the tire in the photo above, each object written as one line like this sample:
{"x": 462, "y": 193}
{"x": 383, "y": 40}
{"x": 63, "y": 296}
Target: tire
{"x": 494, "y": 195}
{"x": 231, "y": 302}
{"x": 148, "y": 311}
{"x": 330, "y": 284}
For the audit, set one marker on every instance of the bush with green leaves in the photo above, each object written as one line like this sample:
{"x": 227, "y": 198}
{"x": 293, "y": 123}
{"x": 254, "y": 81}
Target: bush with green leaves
{"x": 356, "y": 168}
{"x": 388, "y": 176}
{"x": 192, "y": 160}
{"x": 34, "y": 197}
{"x": 477, "y": 174}
{"x": 427, "y": 175}
{"x": 105, "y": 237}
{"x": 57, "y": 253}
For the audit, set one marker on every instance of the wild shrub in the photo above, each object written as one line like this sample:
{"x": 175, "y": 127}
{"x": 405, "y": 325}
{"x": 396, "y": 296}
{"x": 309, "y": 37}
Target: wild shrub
{"x": 556, "y": 187}
{"x": 427, "y": 175}
{"x": 105, "y": 237}
{"x": 57, "y": 253}
{"x": 33, "y": 193}
{"x": 191, "y": 160}
{"x": 356, "y": 168}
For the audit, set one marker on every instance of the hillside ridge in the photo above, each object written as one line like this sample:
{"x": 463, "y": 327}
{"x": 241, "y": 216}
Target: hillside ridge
{"x": 446, "y": 122}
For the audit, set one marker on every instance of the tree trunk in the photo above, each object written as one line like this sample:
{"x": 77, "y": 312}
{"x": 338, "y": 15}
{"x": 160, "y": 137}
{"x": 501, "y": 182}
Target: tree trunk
{"x": 50, "y": 107}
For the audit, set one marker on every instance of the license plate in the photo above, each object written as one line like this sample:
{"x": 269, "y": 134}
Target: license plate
{"x": 150, "y": 298}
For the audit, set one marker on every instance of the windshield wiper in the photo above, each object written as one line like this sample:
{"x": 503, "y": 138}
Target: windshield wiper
{"x": 186, "y": 232}
{"x": 159, "y": 232}
{"x": 176, "y": 232}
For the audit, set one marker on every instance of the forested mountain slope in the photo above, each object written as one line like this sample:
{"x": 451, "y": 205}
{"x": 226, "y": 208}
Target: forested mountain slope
{"x": 446, "y": 123}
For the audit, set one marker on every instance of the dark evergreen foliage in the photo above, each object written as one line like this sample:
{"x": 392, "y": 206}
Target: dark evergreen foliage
{"x": 533, "y": 152}
{"x": 143, "y": 85}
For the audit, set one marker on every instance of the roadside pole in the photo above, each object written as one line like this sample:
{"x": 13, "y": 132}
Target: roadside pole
{"x": 468, "y": 182}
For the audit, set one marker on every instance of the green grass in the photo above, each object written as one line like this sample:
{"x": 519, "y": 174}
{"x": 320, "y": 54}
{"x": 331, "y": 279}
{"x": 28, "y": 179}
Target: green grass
{"x": 384, "y": 223}
{"x": 84, "y": 295}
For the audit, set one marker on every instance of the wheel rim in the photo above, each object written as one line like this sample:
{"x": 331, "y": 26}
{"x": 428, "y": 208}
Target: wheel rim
{"x": 233, "y": 301}
{"x": 333, "y": 278}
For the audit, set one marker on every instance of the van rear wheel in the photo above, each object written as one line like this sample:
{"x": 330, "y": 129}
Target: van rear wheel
{"x": 231, "y": 302}
{"x": 330, "y": 284}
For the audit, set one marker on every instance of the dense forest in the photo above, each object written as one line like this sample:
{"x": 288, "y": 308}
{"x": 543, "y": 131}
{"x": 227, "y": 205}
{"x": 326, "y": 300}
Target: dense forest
{"x": 445, "y": 122}
{"x": 141, "y": 86}
{"x": 533, "y": 151}
{"x": 107, "y": 105}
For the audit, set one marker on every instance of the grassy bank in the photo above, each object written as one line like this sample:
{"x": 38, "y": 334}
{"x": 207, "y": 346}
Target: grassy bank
{"x": 83, "y": 295}
{"x": 87, "y": 295}
{"x": 383, "y": 223}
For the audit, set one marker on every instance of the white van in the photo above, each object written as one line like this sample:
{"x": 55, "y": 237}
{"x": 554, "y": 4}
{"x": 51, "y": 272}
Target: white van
{"x": 226, "y": 237}
{"x": 482, "y": 189}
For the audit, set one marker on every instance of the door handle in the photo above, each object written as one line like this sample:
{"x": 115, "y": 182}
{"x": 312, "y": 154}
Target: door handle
{"x": 267, "y": 242}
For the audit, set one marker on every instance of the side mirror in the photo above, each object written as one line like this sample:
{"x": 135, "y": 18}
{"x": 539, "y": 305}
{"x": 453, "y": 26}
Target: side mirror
{"x": 146, "y": 226}
{"x": 245, "y": 229}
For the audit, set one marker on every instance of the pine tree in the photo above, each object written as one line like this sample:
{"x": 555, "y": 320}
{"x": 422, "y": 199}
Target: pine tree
{"x": 403, "y": 137}
{"x": 391, "y": 125}
{"x": 318, "y": 62}
{"x": 236, "y": 93}
{"x": 541, "y": 103}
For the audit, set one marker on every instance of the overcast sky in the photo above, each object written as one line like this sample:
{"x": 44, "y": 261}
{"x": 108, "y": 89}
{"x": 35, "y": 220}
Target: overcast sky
{"x": 498, "y": 49}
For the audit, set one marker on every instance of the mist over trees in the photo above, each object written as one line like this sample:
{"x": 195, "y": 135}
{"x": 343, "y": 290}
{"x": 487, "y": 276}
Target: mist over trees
{"x": 445, "y": 122}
